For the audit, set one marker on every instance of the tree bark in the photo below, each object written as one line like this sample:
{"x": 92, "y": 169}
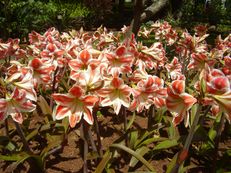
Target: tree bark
{"x": 135, "y": 24}
{"x": 153, "y": 9}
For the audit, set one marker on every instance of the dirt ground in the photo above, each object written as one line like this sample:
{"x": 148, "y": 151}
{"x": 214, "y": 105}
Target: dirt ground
{"x": 69, "y": 160}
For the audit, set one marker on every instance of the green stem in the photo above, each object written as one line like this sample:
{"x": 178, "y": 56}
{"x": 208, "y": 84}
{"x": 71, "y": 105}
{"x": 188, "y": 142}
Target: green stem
{"x": 53, "y": 87}
{"x": 217, "y": 140}
{"x": 124, "y": 114}
{"x": 90, "y": 137}
{"x": 192, "y": 129}
{"x": 151, "y": 114}
{"x": 183, "y": 154}
{"x": 99, "y": 146}
{"x": 7, "y": 128}
{"x": 83, "y": 133}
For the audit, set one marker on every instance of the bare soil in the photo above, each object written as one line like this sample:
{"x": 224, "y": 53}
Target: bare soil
{"x": 69, "y": 159}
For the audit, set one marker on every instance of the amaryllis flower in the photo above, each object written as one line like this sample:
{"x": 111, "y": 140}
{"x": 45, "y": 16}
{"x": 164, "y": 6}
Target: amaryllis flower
{"x": 43, "y": 70}
{"x": 15, "y": 104}
{"x": 149, "y": 92}
{"x": 82, "y": 62}
{"x": 144, "y": 32}
{"x": 22, "y": 78}
{"x": 120, "y": 61}
{"x": 90, "y": 79}
{"x": 191, "y": 44}
{"x": 156, "y": 51}
{"x": 74, "y": 105}
{"x": 174, "y": 68}
{"x": 164, "y": 31}
{"x": 198, "y": 61}
{"x": 227, "y": 66}
{"x": 178, "y": 102}
{"x": 116, "y": 93}
{"x": 224, "y": 102}
{"x": 218, "y": 88}
{"x": 140, "y": 73}
{"x": 4, "y": 49}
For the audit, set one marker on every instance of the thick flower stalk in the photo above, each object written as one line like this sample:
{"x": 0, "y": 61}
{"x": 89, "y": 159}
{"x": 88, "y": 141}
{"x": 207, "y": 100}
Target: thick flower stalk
{"x": 74, "y": 105}
{"x": 178, "y": 102}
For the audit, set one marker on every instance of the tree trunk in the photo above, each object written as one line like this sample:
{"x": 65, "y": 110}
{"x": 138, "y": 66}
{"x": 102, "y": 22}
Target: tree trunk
{"x": 137, "y": 16}
{"x": 152, "y": 10}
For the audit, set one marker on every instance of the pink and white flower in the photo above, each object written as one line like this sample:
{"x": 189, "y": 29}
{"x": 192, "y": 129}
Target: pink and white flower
{"x": 178, "y": 102}
{"x": 74, "y": 105}
{"x": 115, "y": 94}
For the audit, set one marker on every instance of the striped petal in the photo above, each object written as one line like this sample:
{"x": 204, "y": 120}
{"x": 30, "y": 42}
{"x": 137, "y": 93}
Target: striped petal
{"x": 76, "y": 91}
{"x": 17, "y": 117}
{"x": 62, "y": 112}
{"x": 84, "y": 56}
{"x": 75, "y": 118}
{"x": 224, "y": 101}
{"x": 178, "y": 86}
{"x": 63, "y": 99}
{"x": 90, "y": 100}
{"x": 87, "y": 115}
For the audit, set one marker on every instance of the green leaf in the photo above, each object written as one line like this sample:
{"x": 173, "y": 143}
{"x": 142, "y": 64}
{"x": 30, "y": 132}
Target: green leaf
{"x": 133, "y": 138}
{"x": 166, "y": 144}
{"x": 151, "y": 140}
{"x": 53, "y": 141}
{"x": 101, "y": 166}
{"x": 32, "y": 134}
{"x": 172, "y": 164}
{"x": 65, "y": 123}
{"x": 5, "y": 143}
{"x": 14, "y": 157}
{"x": 46, "y": 110}
{"x": 193, "y": 113}
{"x": 17, "y": 158}
{"x": 10, "y": 146}
{"x": 141, "y": 151}
{"x": 136, "y": 155}
{"x": 148, "y": 133}
{"x": 131, "y": 121}
{"x": 203, "y": 85}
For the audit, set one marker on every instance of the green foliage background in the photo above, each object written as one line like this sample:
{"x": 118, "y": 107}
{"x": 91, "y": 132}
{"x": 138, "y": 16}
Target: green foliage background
{"x": 19, "y": 17}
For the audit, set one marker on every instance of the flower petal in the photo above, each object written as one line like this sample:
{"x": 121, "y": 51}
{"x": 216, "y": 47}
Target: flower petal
{"x": 76, "y": 91}
{"x": 85, "y": 56}
{"x": 62, "y": 99}
{"x": 87, "y": 115}
{"x": 17, "y": 117}
{"x": 116, "y": 82}
{"x": 75, "y": 118}
{"x": 62, "y": 112}
{"x": 90, "y": 100}
{"x": 178, "y": 86}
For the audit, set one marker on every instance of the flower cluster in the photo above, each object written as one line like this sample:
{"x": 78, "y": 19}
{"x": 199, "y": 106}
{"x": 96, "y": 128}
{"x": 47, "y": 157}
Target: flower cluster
{"x": 83, "y": 69}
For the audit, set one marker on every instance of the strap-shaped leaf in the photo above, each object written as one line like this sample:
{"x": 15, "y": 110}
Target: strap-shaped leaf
{"x": 141, "y": 151}
{"x": 136, "y": 155}
{"x": 44, "y": 105}
{"x": 101, "y": 166}
{"x": 131, "y": 121}
{"x": 166, "y": 144}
